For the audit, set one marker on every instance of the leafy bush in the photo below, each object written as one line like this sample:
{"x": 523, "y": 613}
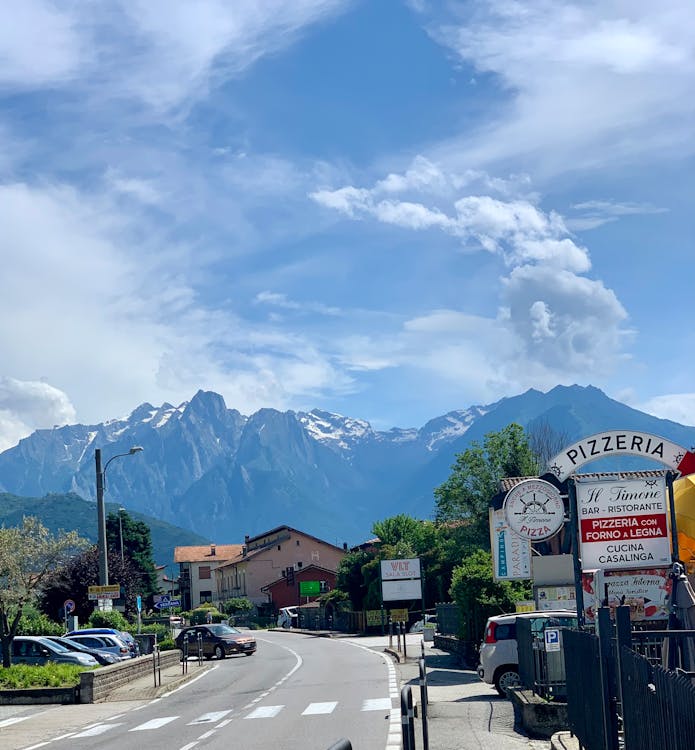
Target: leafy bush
{"x": 237, "y": 605}
{"x": 22, "y": 676}
{"x": 166, "y": 644}
{"x": 161, "y": 631}
{"x": 111, "y": 619}
{"x": 199, "y": 616}
{"x": 34, "y": 622}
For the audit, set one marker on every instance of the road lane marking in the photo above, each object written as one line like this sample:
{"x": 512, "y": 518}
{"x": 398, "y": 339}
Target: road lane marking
{"x": 210, "y": 717}
{"x": 153, "y": 723}
{"x": 189, "y": 745}
{"x": 223, "y": 723}
{"x": 376, "y": 704}
{"x": 320, "y": 708}
{"x": 205, "y": 735}
{"x": 264, "y": 712}
{"x": 13, "y": 720}
{"x": 181, "y": 687}
{"x": 97, "y": 729}
{"x": 34, "y": 747}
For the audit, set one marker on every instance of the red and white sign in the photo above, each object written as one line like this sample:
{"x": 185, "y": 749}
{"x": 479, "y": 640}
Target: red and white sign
{"x": 623, "y": 523}
{"x": 646, "y": 592}
{"x": 397, "y": 570}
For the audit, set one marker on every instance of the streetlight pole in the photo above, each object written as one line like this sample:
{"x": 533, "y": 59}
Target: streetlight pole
{"x": 120, "y": 529}
{"x": 101, "y": 513}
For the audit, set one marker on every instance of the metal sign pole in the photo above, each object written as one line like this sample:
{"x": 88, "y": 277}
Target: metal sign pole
{"x": 577, "y": 563}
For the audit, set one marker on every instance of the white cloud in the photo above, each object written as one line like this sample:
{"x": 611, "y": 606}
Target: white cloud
{"x": 158, "y": 52}
{"x": 554, "y": 322}
{"x": 678, "y": 407}
{"x": 585, "y": 84}
{"x": 593, "y": 214}
{"x": 30, "y": 405}
{"x": 40, "y": 44}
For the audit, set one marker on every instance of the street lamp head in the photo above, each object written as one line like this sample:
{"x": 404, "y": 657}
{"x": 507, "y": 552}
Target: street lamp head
{"x": 121, "y": 509}
{"x": 135, "y": 449}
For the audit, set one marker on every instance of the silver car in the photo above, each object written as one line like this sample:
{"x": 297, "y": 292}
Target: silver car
{"x": 104, "y": 643}
{"x": 33, "y": 649}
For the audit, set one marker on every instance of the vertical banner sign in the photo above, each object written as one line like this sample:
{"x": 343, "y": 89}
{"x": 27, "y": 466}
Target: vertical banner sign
{"x": 623, "y": 524}
{"x": 511, "y": 555}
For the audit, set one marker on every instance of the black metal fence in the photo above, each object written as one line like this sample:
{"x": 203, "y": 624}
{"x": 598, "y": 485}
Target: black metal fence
{"x": 586, "y": 704}
{"x": 658, "y": 705}
{"x": 614, "y": 681}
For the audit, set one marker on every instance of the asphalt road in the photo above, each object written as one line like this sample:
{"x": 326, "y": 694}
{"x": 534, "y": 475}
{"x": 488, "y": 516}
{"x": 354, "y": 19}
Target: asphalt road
{"x": 296, "y": 693}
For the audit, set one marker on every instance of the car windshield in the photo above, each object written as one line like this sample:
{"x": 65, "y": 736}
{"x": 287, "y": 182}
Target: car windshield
{"x": 223, "y": 630}
{"x": 54, "y": 645}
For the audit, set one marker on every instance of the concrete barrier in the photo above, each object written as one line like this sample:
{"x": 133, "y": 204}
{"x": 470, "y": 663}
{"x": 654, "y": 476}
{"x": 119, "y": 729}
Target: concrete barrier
{"x": 540, "y": 718}
{"x": 97, "y": 685}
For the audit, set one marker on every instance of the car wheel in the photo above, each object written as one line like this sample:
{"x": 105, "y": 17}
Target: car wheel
{"x": 219, "y": 652}
{"x": 249, "y": 653}
{"x": 506, "y": 678}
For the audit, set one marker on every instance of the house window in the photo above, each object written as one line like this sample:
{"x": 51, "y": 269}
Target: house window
{"x": 299, "y": 564}
{"x": 204, "y": 572}
{"x": 279, "y": 547}
{"x": 297, "y": 542}
{"x": 205, "y": 596}
{"x": 315, "y": 555}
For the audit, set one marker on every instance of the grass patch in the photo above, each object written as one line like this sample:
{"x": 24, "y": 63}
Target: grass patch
{"x": 22, "y": 676}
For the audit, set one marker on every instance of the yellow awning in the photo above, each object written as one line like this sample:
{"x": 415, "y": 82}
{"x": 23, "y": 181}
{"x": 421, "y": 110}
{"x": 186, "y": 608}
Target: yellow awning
{"x": 684, "y": 496}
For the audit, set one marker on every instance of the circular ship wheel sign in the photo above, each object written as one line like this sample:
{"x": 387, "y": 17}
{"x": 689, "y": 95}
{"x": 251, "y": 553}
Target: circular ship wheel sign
{"x": 534, "y": 509}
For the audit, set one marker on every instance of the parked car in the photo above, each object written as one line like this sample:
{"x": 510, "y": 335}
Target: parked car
{"x": 216, "y": 640}
{"x": 34, "y": 649}
{"x": 499, "y": 657}
{"x": 103, "y": 657}
{"x": 105, "y": 642}
{"x": 122, "y": 635}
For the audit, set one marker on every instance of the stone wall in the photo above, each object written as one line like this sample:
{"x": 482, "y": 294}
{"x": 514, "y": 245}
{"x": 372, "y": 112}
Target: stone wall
{"x": 97, "y": 685}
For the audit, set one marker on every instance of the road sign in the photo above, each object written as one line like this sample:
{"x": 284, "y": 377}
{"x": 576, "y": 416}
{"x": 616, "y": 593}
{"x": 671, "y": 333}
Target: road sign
{"x": 552, "y": 639}
{"x": 69, "y": 606}
{"x": 138, "y": 602}
{"x": 309, "y": 588}
{"x": 166, "y": 603}
{"x": 104, "y": 592}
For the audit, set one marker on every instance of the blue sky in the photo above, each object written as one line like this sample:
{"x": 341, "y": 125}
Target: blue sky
{"x": 384, "y": 209}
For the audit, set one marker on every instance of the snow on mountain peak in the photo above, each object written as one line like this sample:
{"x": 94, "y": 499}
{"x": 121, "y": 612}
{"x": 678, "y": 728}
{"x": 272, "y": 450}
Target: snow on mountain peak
{"x": 326, "y": 427}
{"x": 451, "y": 426}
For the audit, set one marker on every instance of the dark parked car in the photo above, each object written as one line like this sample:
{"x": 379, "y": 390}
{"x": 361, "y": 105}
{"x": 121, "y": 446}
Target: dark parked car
{"x": 102, "y": 656}
{"x": 122, "y": 635}
{"x": 216, "y": 640}
{"x": 32, "y": 649}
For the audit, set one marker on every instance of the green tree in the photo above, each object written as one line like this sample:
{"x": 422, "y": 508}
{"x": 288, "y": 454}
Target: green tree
{"x": 479, "y": 596}
{"x": 237, "y": 605}
{"x": 350, "y": 576}
{"x": 72, "y": 580}
{"x": 137, "y": 547}
{"x": 28, "y": 554}
{"x": 475, "y": 478}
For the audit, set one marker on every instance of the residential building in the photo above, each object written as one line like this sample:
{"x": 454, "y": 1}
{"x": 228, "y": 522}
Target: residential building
{"x": 269, "y": 557}
{"x": 285, "y": 591}
{"x": 197, "y": 567}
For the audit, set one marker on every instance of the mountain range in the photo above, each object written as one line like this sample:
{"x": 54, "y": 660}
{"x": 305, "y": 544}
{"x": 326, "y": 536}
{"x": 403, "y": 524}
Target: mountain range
{"x": 223, "y": 475}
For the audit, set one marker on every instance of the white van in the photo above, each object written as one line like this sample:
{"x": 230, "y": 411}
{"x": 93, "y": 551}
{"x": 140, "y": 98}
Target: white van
{"x": 287, "y": 617}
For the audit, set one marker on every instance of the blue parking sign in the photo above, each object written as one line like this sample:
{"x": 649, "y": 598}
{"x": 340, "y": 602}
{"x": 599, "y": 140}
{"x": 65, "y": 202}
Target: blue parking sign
{"x": 552, "y": 639}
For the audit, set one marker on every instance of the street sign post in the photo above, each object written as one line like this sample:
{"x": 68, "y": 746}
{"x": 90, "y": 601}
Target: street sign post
{"x": 95, "y": 593}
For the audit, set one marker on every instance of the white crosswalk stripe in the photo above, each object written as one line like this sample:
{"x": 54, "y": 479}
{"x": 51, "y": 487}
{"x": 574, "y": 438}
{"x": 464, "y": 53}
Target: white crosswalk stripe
{"x": 320, "y": 708}
{"x": 98, "y": 729}
{"x": 154, "y": 723}
{"x": 376, "y": 704}
{"x": 209, "y": 718}
{"x": 264, "y": 712}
